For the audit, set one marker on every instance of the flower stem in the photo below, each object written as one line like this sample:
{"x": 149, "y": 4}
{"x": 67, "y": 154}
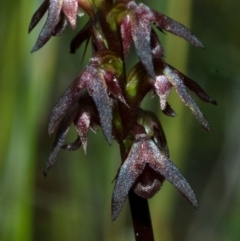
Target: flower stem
{"x": 140, "y": 217}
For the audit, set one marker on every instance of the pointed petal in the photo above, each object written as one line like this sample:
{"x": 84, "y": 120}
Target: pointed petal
{"x": 61, "y": 26}
{"x": 132, "y": 167}
{"x": 51, "y": 22}
{"x": 83, "y": 35}
{"x": 166, "y": 168}
{"x": 197, "y": 89}
{"x": 141, "y": 32}
{"x": 72, "y": 146}
{"x": 162, "y": 87}
{"x": 58, "y": 143}
{"x": 82, "y": 124}
{"x": 70, "y": 9}
{"x": 179, "y": 86}
{"x": 168, "y": 24}
{"x": 65, "y": 104}
{"x": 113, "y": 86}
{"x": 116, "y": 91}
{"x": 98, "y": 90}
{"x": 37, "y": 16}
{"x": 126, "y": 34}
{"x": 169, "y": 111}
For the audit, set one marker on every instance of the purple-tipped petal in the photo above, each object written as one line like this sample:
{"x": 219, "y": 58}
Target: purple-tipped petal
{"x": 163, "y": 22}
{"x": 82, "y": 124}
{"x": 162, "y": 87}
{"x": 51, "y": 22}
{"x": 70, "y": 9}
{"x": 37, "y": 16}
{"x": 179, "y": 86}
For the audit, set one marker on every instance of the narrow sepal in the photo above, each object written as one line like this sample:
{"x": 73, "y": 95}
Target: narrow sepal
{"x": 37, "y": 16}
{"x": 52, "y": 20}
{"x": 179, "y": 86}
{"x": 196, "y": 88}
{"x": 98, "y": 90}
{"x": 141, "y": 32}
{"x": 83, "y": 35}
{"x": 166, "y": 168}
{"x": 132, "y": 167}
{"x": 59, "y": 141}
{"x": 69, "y": 98}
{"x": 168, "y": 24}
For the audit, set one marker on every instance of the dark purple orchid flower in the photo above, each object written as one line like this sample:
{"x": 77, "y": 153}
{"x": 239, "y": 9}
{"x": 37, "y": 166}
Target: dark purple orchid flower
{"x": 60, "y": 13}
{"x": 144, "y": 170}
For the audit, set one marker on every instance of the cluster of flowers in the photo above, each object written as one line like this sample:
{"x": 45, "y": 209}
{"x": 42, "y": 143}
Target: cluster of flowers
{"x": 95, "y": 96}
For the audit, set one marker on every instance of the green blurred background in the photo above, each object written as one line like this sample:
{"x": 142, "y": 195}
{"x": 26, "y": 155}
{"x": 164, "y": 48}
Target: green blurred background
{"x": 73, "y": 202}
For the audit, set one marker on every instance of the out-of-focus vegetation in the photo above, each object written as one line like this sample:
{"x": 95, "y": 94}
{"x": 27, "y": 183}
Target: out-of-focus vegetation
{"x": 73, "y": 202}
